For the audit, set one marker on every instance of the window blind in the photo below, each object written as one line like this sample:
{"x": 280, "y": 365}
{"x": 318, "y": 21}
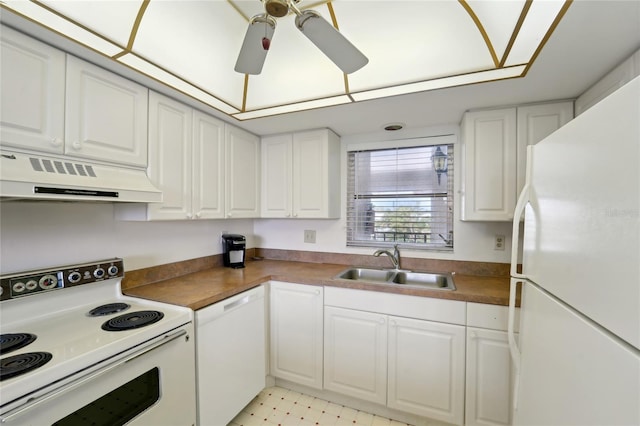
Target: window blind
{"x": 395, "y": 196}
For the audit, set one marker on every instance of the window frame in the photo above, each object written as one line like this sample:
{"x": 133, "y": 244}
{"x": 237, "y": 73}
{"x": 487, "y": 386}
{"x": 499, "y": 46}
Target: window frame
{"x": 440, "y": 139}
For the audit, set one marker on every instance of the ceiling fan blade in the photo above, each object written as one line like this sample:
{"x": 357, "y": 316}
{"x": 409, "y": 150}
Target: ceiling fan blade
{"x": 330, "y": 41}
{"x": 253, "y": 52}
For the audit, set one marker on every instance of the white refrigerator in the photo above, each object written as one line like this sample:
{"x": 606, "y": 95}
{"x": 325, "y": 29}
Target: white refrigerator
{"x": 578, "y": 354}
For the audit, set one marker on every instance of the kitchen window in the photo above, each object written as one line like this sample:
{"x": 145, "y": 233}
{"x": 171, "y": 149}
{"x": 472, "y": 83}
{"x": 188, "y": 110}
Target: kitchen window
{"x": 396, "y": 196}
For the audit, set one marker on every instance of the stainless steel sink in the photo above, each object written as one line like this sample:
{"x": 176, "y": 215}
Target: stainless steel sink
{"x": 365, "y": 274}
{"x": 403, "y": 278}
{"x": 425, "y": 279}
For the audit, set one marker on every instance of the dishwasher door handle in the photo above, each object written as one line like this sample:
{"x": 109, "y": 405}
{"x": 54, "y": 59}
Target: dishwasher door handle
{"x": 242, "y": 301}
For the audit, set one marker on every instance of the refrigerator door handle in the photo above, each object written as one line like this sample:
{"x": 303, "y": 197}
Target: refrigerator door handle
{"x": 513, "y": 345}
{"x": 523, "y": 200}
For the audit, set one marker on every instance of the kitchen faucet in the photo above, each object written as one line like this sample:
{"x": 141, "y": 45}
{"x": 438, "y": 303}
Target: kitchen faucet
{"x": 395, "y": 257}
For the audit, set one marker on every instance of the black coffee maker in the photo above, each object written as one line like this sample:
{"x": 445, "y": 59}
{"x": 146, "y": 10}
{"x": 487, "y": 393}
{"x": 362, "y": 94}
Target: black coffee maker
{"x": 233, "y": 246}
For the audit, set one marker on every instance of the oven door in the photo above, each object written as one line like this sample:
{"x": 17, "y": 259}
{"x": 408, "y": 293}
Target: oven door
{"x": 153, "y": 384}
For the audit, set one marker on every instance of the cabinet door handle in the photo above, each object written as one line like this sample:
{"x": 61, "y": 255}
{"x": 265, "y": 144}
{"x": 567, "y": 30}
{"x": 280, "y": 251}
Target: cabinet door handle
{"x": 382, "y": 320}
{"x": 392, "y": 323}
{"x": 198, "y": 215}
{"x": 56, "y": 142}
{"x": 77, "y": 145}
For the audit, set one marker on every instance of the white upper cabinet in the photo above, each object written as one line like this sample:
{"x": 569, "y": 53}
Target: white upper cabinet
{"x": 316, "y": 174}
{"x": 277, "y": 175}
{"x": 301, "y": 175}
{"x": 186, "y": 162}
{"x": 489, "y": 165}
{"x": 242, "y": 198}
{"x": 32, "y": 86}
{"x": 170, "y": 153}
{"x": 495, "y": 155}
{"x": 208, "y": 165}
{"x": 536, "y": 122}
{"x": 106, "y": 115}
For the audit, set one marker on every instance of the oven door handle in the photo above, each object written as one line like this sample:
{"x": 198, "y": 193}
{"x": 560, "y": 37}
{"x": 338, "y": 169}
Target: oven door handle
{"x": 91, "y": 374}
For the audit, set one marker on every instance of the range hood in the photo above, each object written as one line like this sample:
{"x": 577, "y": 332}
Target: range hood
{"x": 38, "y": 177}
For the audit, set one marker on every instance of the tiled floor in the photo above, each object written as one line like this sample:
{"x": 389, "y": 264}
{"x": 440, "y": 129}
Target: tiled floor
{"x": 279, "y": 406}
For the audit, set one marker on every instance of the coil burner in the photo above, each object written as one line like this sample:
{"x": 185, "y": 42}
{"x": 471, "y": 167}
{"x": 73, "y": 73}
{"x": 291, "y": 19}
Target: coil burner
{"x": 17, "y": 365}
{"x": 132, "y": 320}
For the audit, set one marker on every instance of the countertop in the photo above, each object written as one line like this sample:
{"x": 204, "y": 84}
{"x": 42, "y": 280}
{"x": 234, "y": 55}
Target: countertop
{"x": 199, "y": 289}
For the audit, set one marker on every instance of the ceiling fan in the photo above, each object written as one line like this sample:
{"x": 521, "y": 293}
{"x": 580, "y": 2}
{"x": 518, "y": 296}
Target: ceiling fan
{"x": 328, "y": 39}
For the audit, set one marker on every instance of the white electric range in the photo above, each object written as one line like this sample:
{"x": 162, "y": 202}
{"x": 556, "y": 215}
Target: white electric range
{"x": 72, "y": 346}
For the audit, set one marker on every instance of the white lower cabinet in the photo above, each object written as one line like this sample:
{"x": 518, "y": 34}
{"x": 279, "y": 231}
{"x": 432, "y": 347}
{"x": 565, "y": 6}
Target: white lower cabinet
{"x": 490, "y": 375}
{"x": 426, "y": 368}
{"x": 296, "y": 333}
{"x": 373, "y": 351}
{"x": 438, "y": 359}
{"x": 489, "y": 378}
{"x": 355, "y": 353}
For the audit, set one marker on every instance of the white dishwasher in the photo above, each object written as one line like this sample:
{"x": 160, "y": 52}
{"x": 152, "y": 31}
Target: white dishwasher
{"x": 230, "y": 356}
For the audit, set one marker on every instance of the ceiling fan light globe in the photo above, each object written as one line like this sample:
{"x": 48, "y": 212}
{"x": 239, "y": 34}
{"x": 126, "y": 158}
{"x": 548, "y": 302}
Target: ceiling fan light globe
{"x": 331, "y": 42}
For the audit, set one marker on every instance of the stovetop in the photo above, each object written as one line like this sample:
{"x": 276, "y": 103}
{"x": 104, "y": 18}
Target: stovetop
{"x": 60, "y": 321}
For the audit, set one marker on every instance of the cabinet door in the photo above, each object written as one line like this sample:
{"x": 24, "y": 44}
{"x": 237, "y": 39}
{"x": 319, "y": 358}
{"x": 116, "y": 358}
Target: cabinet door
{"x": 243, "y": 173}
{"x": 296, "y": 333}
{"x": 207, "y": 167}
{"x": 170, "y": 157}
{"x": 426, "y": 368}
{"x": 355, "y": 353}
{"x": 32, "y": 86}
{"x": 536, "y": 122}
{"x": 489, "y": 165}
{"x": 490, "y": 378}
{"x": 106, "y": 115}
{"x": 276, "y": 176}
{"x": 316, "y": 174}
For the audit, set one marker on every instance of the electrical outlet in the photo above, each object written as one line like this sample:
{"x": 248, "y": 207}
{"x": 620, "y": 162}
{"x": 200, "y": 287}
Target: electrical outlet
{"x": 499, "y": 242}
{"x": 310, "y": 236}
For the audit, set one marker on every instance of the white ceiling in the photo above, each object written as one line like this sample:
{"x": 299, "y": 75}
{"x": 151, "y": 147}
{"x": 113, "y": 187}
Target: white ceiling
{"x": 592, "y": 38}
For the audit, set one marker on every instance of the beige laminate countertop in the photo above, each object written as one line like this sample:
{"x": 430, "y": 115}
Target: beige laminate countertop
{"x": 200, "y": 289}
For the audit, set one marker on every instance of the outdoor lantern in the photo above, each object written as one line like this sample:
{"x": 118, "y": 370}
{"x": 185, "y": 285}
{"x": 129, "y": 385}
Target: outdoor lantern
{"x": 439, "y": 160}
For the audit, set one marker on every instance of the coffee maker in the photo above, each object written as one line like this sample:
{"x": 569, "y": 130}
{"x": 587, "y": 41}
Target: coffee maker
{"x": 233, "y": 247}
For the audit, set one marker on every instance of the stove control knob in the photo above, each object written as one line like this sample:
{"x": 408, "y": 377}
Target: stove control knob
{"x": 113, "y": 270}
{"x": 48, "y": 281}
{"x": 18, "y": 287}
{"x": 32, "y": 285}
{"x": 98, "y": 273}
{"x": 74, "y": 277}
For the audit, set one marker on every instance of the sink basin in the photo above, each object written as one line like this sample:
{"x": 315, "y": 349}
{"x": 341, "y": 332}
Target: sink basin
{"x": 365, "y": 274}
{"x": 424, "y": 279}
{"x": 404, "y": 278}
